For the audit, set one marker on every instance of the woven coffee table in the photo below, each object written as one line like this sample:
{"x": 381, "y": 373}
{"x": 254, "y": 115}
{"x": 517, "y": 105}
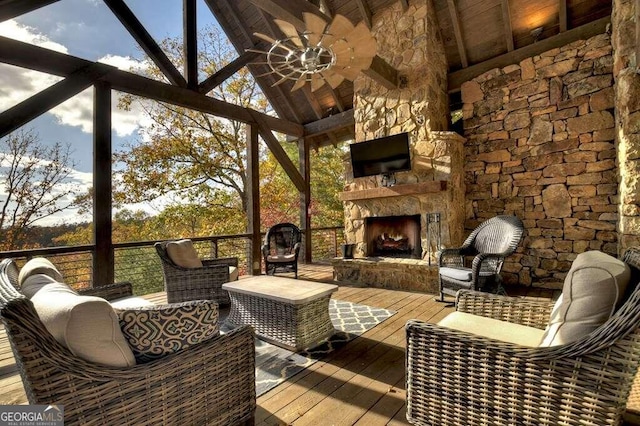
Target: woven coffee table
{"x": 293, "y": 314}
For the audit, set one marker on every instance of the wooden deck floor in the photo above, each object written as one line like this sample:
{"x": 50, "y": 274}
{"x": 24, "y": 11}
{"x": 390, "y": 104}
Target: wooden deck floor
{"x": 359, "y": 384}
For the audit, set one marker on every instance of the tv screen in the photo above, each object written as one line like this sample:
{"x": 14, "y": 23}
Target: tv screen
{"x": 379, "y": 156}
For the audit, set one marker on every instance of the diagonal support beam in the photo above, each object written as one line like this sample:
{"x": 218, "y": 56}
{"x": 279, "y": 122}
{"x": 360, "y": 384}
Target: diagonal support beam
{"x": 12, "y": 8}
{"x": 455, "y": 20}
{"x": 365, "y": 12}
{"x": 144, "y": 39}
{"x": 508, "y": 30}
{"x": 562, "y": 15}
{"x": 216, "y": 79}
{"x": 279, "y": 152}
{"x": 43, "y": 101}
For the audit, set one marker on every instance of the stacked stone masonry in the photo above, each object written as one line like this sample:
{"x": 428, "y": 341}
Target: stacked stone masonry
{"x": 541, "y": 145}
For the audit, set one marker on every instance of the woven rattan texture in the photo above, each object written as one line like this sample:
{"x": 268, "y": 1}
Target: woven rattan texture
{"x": 489, "y": 243}
{"x": 186, "y": 284}
{"x": 457, "y": 378}
{"x": 291, "y": 326}
{"x": 211, "y": 383}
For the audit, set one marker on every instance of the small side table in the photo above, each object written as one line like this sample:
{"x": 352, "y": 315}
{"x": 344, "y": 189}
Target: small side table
{"x": 293, "y": 314}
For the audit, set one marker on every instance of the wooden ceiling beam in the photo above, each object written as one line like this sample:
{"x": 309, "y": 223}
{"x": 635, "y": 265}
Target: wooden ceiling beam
{"x": 146, "y": 42}
{"x": 329, "y": 124}
{"x": 190, "y": 43}
{"x": 13, "y": 8}
{"x": 278, "y": 152}
{"x": 290, "y": 11}
{"x": 457, "y": 31}
{"x": 28, "y": 56}
{"x": 315, "y": 105}
{"x": 562, "y": 15}
{"x": 227, "y": 71}
{"x": 508, "y": 30}
{"x": 336, "y": 98}
{"x": 582, "y": 32}
{"x": 365, "y": 12}
{"x": 52, "y": 96}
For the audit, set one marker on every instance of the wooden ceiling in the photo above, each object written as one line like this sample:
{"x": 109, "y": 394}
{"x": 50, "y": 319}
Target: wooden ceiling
{"x": 478, "y": 35}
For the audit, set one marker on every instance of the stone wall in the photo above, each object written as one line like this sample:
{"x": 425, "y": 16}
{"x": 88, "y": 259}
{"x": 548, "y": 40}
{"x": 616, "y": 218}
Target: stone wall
{"x": 627, "y": 100}
{"x": 541, "y": 146}
{"x": 408, "y": 41}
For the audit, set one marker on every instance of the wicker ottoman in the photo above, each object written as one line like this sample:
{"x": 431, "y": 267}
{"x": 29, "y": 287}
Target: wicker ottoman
{"x": 293, "y": 314}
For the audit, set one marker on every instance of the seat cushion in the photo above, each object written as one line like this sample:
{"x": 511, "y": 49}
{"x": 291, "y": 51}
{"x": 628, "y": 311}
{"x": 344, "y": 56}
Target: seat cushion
{"x": 458, "y": 274}
{"x": 39, "y": 265}
{"x": 284, "y": 258}
{"x": 183, "y": 253}
{"x": 493, "y": 329}
{"x": 592, "y": 290}
{"x": 86, "y": 325}
{"x": 156, "y": 331}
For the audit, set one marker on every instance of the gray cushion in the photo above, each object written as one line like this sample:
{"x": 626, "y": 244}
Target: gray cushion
{"x": 493, "y": 328}
{"x": 39, "y": 265}
{"x": 458, "y": 274}
{"x": 155, "y": 331}
{"x": 86, "y": 325}
{"x": 593, "y": 288}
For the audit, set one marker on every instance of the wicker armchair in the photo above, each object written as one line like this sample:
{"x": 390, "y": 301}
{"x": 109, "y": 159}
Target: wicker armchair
{"x": 458, "y": 378}
{"x": 209, "y": 383}
{"x": 489, "y": 243}
{"x": 185, "y": 284}
{"x": 281, "y": 248}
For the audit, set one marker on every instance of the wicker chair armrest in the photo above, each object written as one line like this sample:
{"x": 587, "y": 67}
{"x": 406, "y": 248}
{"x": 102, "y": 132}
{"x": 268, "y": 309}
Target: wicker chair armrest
{"x": 109, "y": 292}
{"x": 480, "y": 258}
{"x": 296, "y": 248}
{"x": 451, "y": 257}
{"x": 227, "y": 261}
{"x": 532, "y": 313}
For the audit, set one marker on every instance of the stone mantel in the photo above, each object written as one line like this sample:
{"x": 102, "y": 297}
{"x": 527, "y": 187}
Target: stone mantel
{"x": 394, "y": 191}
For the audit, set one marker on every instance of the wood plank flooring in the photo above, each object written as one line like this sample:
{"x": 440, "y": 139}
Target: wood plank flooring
{"x": 359, "y": 384}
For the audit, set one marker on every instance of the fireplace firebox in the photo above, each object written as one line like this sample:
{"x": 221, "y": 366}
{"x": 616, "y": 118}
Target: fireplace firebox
{"x": 393, "y": 236}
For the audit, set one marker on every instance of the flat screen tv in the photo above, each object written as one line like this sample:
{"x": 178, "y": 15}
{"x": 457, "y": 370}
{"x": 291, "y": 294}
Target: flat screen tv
{"x": 384, "y": 155}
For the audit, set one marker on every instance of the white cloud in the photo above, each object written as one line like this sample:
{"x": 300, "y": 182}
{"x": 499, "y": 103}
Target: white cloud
{"x": 18, "y": 84}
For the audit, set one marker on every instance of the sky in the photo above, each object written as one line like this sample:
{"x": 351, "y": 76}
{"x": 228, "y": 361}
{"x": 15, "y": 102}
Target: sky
{"x": 87, "y": 29}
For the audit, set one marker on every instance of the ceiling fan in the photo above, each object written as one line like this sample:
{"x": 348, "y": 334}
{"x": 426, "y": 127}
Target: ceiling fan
{"x": 324, "y": 53}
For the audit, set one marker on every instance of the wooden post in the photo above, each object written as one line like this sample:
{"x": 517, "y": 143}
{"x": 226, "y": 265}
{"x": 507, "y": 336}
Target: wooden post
{"x": 190, "y": 43}
{"x": 253, "y": 199}
{"x": 305, "y": 198}
{"x": 103, "y": 258}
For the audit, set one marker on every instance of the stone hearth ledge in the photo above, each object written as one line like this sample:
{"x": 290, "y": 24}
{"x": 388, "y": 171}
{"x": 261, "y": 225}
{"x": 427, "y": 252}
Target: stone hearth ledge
{"x": 387, "y": 272}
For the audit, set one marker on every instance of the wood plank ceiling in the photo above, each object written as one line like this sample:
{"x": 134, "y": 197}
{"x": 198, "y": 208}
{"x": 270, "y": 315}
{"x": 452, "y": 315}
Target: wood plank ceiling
{"x": 478, "y": 35}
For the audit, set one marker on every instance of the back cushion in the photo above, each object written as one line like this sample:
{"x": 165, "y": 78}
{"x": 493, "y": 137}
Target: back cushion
{"x": 86, "y": 325}
{"x": 39, "y": 265}
{"x": 592, "y": 290}
{"x": 183, "y": 253}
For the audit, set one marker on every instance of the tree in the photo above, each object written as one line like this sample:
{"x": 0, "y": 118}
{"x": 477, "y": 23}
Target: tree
{"x": 189, "y": 155}
{"x": 36, "y": 185}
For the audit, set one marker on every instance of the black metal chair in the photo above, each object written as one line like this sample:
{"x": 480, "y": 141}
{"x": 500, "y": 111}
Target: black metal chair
{"x": 489, "y": 244}
{"x": 281, "y": 248}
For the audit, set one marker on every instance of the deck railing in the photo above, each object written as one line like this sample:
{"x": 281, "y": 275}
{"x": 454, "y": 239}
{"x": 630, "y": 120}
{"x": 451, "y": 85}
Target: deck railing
{"x": 138, "y": 263}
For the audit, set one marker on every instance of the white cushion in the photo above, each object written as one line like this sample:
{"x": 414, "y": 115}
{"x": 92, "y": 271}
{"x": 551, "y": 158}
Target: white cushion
{"x": 592, "y": 291}
{"x": 282, "y": 258}
{"x": 183, "y": 253}
{"x": 86, "y": 325}
{"x": 39, "y": 265}
{"x": 233, "y": 273}
{"x": 493, "y": 329}
{"x": 130, "y": 302}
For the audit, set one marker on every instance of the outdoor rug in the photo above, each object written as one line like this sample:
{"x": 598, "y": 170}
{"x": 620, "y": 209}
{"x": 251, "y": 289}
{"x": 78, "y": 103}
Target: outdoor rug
{"x": 275, "y": 364}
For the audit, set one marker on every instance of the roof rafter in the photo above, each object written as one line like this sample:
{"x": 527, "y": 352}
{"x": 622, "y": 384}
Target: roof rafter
{"x": 26, "y": 55}
{"x": 508, "y": 30}
{"x": 457, "y": 31}
{"x": 12, "y": 8}
{"x": 365, "y": 12}
{"x": 144, "y": 39}
{"x": 190, "y": 43}
{"x": 562, "y": 15}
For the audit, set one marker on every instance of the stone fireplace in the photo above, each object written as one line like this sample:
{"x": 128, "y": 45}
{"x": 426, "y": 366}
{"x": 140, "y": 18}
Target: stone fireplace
{"x": 435, "y": 183}
{"x": 393, "y": 236}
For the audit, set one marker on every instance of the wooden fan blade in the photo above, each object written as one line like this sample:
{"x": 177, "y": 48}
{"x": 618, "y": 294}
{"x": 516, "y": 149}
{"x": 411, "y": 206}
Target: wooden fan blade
{"x": 349, "y": 73}
{"x": 343, "y": 53}
{"x": 358, "y": 35}
{"x": 299, "y": 84}
{"x": 367, "y": 48}
{"x": 361, "y": 63}
{"x": 290, "y": 31}
{"x": 332, "y": 78}
{"x": 265, "y": 37}
{"x": 315, "y": 27}
{"x": 340, "y": 27}
{"x": 316, "y": 82}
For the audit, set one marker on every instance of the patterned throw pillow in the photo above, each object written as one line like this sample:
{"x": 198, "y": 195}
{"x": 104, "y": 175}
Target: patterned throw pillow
{"x": 156, "y": 331}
